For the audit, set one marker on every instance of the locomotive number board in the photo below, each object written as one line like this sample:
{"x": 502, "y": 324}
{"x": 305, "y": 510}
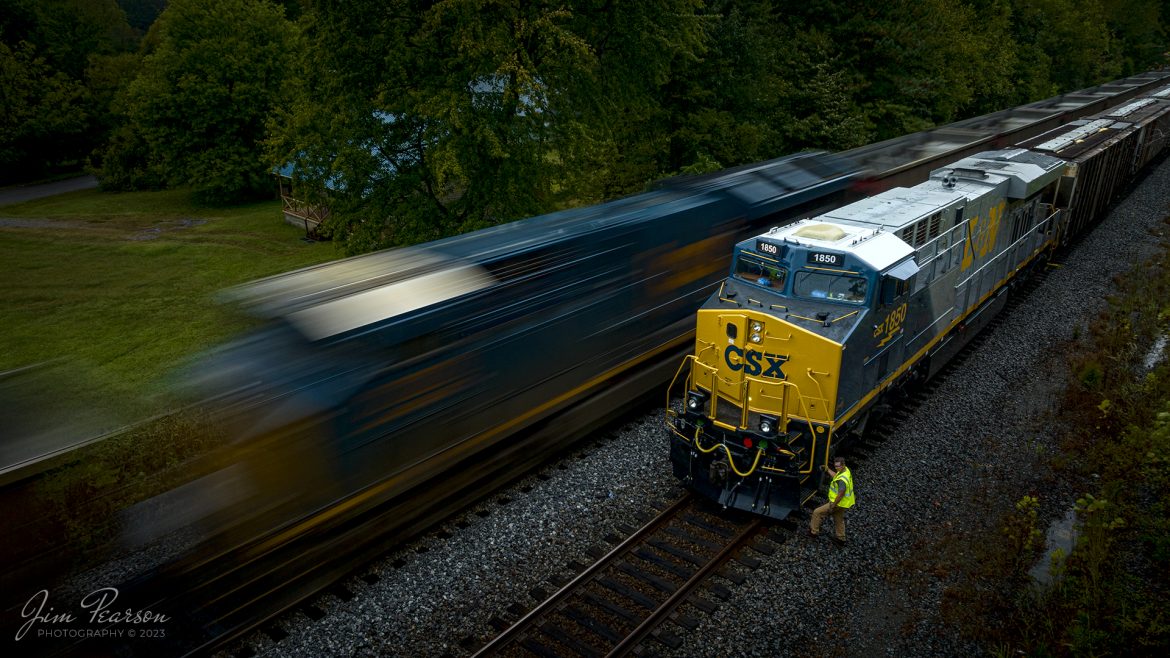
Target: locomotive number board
{"x": 767, "y": 248}
{"x": 826, "y": 258}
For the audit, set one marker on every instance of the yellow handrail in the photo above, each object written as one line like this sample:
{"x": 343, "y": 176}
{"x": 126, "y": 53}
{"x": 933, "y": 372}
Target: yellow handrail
{"x": 685, "y": 361}
{"x": 745, "y": 390}
{"x": 784, "y": 418}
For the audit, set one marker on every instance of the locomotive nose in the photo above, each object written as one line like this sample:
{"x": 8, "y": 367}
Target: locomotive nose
{"x": 759, "y": 369}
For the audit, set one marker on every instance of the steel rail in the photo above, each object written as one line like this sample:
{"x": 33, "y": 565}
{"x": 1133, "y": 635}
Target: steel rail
{"x": 660, "y": 615}
{"x": 550, "y": 604}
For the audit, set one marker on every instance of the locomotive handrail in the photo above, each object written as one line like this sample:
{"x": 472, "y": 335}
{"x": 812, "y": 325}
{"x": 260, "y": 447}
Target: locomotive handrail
{"x": 784, "y": 417}
{"x": 685, "y": 361}
{"x": 824, "y": 401}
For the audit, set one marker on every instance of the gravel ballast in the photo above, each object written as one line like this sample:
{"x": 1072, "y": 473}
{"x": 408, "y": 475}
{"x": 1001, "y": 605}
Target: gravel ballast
{"x": 956, "y": 462}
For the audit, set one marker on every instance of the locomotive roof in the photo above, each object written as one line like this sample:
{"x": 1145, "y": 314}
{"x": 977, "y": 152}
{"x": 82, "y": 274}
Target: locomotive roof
{"x": 1025, "y": 172}
{"x": 877, "y": 249}
{"x": 868, "y": 226}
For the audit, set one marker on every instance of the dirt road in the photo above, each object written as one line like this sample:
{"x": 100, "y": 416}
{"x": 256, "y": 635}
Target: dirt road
{"x": 20, "y": 194}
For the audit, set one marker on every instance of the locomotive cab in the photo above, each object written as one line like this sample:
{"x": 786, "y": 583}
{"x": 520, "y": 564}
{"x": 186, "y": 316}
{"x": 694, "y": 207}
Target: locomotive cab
{"x": 765, "y": 387}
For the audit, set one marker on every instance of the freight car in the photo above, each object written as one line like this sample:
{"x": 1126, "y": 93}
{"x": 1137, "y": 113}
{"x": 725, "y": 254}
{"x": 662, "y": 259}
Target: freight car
{"x": 822, "y": 319}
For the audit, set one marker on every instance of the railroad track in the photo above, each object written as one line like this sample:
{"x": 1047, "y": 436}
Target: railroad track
{"x": 629, "y": 593}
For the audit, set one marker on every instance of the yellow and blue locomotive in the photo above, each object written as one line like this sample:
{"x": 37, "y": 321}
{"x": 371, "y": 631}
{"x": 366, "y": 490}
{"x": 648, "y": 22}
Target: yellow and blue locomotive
{"x": 819, "y": 320}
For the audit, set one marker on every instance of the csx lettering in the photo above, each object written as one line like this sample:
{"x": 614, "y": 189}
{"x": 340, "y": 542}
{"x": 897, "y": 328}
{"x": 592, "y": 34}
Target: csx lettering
{"x": 890, "y": 324}
{"x": 751, "y": 362}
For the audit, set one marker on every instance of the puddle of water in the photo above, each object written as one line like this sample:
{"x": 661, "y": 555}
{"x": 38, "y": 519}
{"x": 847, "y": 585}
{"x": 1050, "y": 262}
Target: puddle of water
{"x": 169, "y": 225}
{"x": 1062, "y": 535}
{"x": 1155, "y": 353}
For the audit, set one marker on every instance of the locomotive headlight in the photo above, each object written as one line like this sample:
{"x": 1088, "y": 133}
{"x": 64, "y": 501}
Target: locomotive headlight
{"x": 768, "y": 424}
{"x": 696, "y": 400}
{"x": 755, "y": 338}
{"x": 757, "y": 327}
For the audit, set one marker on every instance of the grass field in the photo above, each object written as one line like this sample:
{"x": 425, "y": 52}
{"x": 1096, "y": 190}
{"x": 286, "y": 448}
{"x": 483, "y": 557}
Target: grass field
{"x": 120, "y": 287}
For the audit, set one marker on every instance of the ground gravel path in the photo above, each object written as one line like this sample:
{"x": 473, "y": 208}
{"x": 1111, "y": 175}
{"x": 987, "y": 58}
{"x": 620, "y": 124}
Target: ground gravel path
{"x": 22, "y": 193}
{"x": 971, "y": 447}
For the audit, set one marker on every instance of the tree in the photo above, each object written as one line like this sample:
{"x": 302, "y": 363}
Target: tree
{"x": 424, "y": 118}
{"x": 50, "y": 120}
{"x": 432, "y": 118}
{"x": 142, "y": 13}
{"x": 67, "y": 32}
{"x": 1071, "y": 38}
{"x": 43, "y": 112}
{"x": 1137, "y": 26}
{"x": 211, "y": 77}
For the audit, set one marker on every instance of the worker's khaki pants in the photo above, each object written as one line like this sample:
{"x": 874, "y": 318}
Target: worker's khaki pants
{"x": 821, "y": 512}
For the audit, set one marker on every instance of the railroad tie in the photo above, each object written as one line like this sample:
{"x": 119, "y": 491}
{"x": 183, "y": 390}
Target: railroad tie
{"x": 731, "y": 575}
{"x": 686, "y": 621}
{"x": 681, "y": 554}
{"x": 648, "y": 578}
{"x": 536, "y": 647}
{"x": 669, "y": 639}
{"x": 628, "y": 592}
{"x": 726, "y": 533}
{"x": 557, "y": 633}
{"x": 718, "y": 591}
{"x": 599, "y": 628}
{"x": 610, "y": 607}
{"x": 703, "y": 604}
{"x": 763, "y": 547}
{"x": 688, "y": 537}
{"x": 662, "y": 563}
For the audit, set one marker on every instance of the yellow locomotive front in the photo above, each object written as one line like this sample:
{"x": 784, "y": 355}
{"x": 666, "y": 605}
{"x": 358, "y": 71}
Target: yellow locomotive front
{"x": 765, "y": 393}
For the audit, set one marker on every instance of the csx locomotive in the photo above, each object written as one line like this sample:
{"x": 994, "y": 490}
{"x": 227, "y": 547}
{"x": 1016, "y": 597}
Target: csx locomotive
{"x": 821, "y": 319}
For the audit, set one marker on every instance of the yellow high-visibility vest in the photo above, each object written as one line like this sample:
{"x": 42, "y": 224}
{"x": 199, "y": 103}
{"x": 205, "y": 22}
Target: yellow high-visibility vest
{"x": 845, "y": 476}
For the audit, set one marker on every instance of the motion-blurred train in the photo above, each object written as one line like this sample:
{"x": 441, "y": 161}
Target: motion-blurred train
{"x": 823, "y": 320}
{"x": 376, "y": 373}
{"x": 421, "y": 373}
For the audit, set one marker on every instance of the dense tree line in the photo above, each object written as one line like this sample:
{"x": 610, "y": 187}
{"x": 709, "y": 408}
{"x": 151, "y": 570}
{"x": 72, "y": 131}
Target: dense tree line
{"x": 54, "y": 91}
{"x": 415, "y": 119}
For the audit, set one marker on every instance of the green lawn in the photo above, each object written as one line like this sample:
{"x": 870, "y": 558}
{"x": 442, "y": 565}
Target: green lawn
{"x": 120, "y": 287}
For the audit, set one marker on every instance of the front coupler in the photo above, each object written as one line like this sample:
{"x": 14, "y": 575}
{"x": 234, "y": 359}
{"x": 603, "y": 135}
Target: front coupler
{"x": 716, "y": 465}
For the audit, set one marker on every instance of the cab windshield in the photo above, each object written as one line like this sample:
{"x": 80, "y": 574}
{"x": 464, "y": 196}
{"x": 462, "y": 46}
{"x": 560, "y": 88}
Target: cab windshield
{"x": 762, "y": 273}
{"x": 836, "y": 287}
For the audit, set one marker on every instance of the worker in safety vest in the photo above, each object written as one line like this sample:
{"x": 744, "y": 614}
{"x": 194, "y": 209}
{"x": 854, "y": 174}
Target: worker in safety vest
{"x": 840, "y": 499}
